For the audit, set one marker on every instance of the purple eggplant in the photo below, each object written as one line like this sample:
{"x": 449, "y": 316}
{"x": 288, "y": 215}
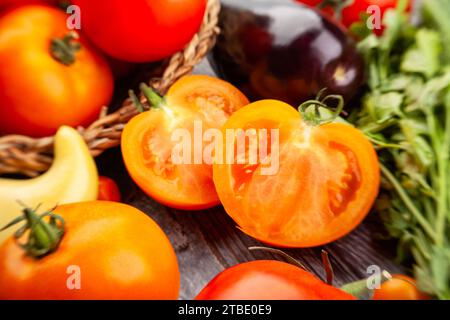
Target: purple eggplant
{"x": 281, "y": 49}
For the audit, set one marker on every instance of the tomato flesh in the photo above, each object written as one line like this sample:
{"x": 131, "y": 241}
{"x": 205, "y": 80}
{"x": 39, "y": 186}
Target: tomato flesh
{"x": 193, "y": 105}
{"x": 326, "y": 182}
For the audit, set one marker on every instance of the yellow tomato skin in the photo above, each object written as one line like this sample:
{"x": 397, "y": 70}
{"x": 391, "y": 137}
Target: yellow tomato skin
{"x": 109, "y": 251}
{"x": 400, "y": 287}
{"x": 39, "y": 93}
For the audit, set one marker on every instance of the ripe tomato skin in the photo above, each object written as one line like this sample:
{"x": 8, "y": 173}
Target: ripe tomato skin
{"x": 121, "y": 69}
{"x": 315, "y": 3}
{"x": 147, "y": 143}
{"x": 108, "y": 190}
{"x": 121, "y": 254}
{"x": 269, "y": 280}
{"x": 326, "y": 182}
{"x": 39, "y": 94}
{"x": 400, "y": 287}
{"x": 9, "y": 3}
{"x": 352, "y": 13}
{"x": 159, "y": 28}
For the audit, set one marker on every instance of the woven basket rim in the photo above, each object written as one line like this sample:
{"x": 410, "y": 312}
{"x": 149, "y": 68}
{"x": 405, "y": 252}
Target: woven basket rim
{"x": 31, "y": 156}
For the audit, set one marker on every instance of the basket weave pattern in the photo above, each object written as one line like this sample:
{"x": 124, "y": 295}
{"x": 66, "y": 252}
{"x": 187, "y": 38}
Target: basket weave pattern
{"x": 30, "y": 156}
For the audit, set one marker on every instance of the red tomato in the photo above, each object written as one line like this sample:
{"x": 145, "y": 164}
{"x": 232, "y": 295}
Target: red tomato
{"x": 108, "y": 190}
{"x": 141, "y": 30}
{"x": 315, "y": 3}
{"x": 352, "y": 13}
{"x": 121, "y": 69}
{"x": 10, "y": 3}
{"x": 269, "y": 280}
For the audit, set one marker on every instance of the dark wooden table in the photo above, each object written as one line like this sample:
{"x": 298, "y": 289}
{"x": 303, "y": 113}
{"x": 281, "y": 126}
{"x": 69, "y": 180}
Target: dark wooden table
{"x": 207, "y": 242}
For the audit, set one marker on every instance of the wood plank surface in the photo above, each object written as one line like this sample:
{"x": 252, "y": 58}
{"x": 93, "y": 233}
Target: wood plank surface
{"x": 207, "y": 242}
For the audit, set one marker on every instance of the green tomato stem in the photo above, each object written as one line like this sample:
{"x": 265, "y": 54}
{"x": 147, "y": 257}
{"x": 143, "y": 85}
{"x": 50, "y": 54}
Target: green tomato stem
{"x": 155, "y": 99}
{"x": 137, "y": 103}
{"x": 44, "y": 236}
{"x": 64, "y": 50}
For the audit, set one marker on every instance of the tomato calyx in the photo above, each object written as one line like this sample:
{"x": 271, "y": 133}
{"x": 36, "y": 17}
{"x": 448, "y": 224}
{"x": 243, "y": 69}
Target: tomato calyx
{"x": 325, "y": 261}
{"x": 328, "y": 267}
{"x": 311, "y": 109}
{"x": 43, "y": 237}
{"x": 361, "y": 289}
{"x": 288, "y": 257}
{"x": 337, "y": 5}
{"x": 64, "y": 50}
{"x": 64, "y": 4}
{"x": 366, "y": 288}
{"x": 155, "y": 100}
{"x": 136, "y": 101}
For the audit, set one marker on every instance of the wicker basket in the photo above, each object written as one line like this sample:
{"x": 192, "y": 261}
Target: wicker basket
{"x": 30, "y": 156}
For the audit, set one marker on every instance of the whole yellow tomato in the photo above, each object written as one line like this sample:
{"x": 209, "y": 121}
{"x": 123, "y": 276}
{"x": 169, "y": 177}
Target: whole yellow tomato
{"x": 104, "y": 250}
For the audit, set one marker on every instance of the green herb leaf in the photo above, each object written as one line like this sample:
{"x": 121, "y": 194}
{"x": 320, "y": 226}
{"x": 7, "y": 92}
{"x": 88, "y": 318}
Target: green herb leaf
{"x": 425, "y": 57}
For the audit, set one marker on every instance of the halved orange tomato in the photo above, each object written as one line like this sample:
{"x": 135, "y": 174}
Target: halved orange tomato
{"x": 318, "y": 184}
{"x": 148, "y": 141}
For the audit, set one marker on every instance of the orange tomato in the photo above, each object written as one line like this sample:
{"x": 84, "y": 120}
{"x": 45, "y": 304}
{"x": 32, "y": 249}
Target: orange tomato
{"x": 39, "y": 92}
{"x": 400, "y": 287}
{"x": 269, "y": 280}
{"x": 318, "y": 184}
{"x": 108, "y": 190}
{"x": 147, "y": 144}
{"x": 119, "y": 253}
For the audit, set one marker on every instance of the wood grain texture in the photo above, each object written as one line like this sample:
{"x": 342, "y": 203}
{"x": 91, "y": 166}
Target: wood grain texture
{"x": 208, "y": 242}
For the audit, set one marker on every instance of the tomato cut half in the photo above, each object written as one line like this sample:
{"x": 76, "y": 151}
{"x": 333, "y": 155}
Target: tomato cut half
{"x": 313, "y": 184}
{"x": 194, "y": 103}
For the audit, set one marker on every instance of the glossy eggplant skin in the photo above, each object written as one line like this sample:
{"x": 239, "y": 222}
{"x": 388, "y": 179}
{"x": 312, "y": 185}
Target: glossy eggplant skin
{"x": 281, "y": 49}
